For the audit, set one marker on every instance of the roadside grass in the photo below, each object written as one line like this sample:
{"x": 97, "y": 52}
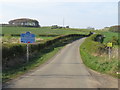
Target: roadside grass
{"x": 95, "y": 60}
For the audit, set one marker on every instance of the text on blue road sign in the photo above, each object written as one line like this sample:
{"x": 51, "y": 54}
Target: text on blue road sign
{"x": 27, "y": 37}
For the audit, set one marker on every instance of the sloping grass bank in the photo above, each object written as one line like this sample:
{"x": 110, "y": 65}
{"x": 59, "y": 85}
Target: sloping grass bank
{"x": 95, "y": 57}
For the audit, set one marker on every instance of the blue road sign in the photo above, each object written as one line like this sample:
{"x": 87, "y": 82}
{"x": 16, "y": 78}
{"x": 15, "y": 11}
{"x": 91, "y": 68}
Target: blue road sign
{"x": 27, "y": 37}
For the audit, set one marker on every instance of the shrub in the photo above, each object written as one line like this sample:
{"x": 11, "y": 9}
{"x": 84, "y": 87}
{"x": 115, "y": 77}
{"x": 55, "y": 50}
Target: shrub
{"x": 15, "y": 34}
{"x": 67, "y": 26}
{"x": 54, "y": 27}
{"x": 99, "y": 38}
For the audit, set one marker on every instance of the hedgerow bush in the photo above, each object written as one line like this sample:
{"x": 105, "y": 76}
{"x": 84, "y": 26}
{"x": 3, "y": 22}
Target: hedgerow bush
{"x": 15, "y": 34}
{"x": 12, "y": 50}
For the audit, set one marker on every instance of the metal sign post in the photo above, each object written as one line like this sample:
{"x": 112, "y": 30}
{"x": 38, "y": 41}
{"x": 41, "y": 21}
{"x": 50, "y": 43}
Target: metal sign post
{"x": 109, "y": 53}
{"x": 109, "y": 45}
{"x": 27, "y": 52}
{"x": 27, "y": 38}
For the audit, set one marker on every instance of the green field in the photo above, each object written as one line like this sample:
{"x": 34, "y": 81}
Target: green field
{"x": 42, "y": 30}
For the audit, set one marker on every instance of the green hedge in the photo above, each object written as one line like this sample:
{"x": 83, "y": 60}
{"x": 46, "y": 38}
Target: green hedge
{"x": 48, "y": 35}
{"x": 43, "y": 35}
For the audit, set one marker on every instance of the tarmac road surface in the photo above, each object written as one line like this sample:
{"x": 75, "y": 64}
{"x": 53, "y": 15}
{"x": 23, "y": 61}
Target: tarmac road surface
{"x": 64, "y": 70}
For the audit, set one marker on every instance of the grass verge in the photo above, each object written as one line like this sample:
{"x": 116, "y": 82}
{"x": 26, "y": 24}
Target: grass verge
{"x": 92, "y": 58}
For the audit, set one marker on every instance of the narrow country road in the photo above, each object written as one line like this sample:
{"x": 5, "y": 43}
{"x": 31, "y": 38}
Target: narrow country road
{"x": 65, "y": 70}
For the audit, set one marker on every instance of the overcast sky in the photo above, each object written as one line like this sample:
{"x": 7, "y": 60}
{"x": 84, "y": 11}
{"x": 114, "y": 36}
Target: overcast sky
{"x": 76, "y": 13}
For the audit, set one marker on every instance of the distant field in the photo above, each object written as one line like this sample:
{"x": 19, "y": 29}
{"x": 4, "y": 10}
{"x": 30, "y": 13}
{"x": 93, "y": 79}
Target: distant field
{"x": 42, "y": 30}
